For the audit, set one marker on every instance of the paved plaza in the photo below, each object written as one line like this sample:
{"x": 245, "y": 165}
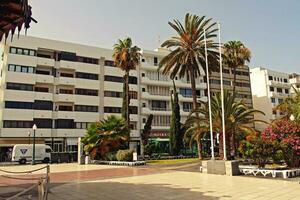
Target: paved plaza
{"x": 71, "y": 181}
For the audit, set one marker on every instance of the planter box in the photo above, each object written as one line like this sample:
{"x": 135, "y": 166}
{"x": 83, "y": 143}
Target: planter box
{"x": 221, "y": 167}
{"x": 120, "y": 163}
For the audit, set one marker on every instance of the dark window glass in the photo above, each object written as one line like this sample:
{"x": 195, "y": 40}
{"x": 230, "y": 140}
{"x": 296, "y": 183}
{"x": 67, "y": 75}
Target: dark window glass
{"x": 69, "y": 56}
{"x": 41, "y": 89}
{"x": 158, "y": 105}
{"x": 143, "y": 89}
{"x": 18, "y": 86}
{"x": 84, "y": 108}
{"x": 112, "y": 94}
{"x": 64, "y": 123}
{"x": 86, "y": 75}
{"x": 109, "y": 63}
{"x": 43, "y": 123}
{"x": 285, "y": 80}
{"x": 271, "y": 89}
{"x": 113, "y": 79}
{"x": 280, "y": 100}
{"x": 88, "y": 60}
{"x": 187, "y": 106}
{"x": 112, "y": 109}
{"x": 18, "y": 105}
{"x": 62, "y": 74}
{"x": 17, "y": 124}
{"x": 155, "y": 61}
{"x": 133, "y": 110}
{"x": 279, "y": 90}
{"x": 65, "y": 108}
{"x": 270, "y": 78}
{"x": 44, "y": 72}
{"x": 273, "y": 100}
{"x": 86, "y": 92}
{"x": 286, "y": 91}
{"x": 132, "y": 80}
{"x": 43, "y": 105}
{"x": 65, "y": 91}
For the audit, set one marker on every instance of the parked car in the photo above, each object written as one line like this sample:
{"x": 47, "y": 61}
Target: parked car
{"x": 22, "y": 153}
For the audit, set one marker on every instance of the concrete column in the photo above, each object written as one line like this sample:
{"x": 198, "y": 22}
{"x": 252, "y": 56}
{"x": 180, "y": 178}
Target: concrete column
{"x": 80, "y": 151}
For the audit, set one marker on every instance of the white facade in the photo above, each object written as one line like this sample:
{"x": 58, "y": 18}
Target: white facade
{"x": 269, "y": 88}
{"x": 63, "y": 87}
{"x": 295, "y": 82}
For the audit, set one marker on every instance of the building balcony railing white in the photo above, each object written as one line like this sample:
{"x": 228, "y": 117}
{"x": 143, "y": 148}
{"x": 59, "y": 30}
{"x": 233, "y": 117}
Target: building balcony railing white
{"x": 41, "y": 78}
{"x": 45, "y": 62}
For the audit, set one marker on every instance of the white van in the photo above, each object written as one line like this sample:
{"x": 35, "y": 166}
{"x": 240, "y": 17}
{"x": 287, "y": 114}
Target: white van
{"x": 22, "y": 153}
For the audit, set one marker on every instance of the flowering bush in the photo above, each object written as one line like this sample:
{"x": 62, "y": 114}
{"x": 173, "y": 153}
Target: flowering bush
{"x": 287, "y": 134}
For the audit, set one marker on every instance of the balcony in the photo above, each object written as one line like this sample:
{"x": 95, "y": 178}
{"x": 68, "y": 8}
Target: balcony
{"x": 40, "y": 78}
{"x": 64, "y": 98}
{"x": 84, "y": 99}
{"x": 65, "y": 81}
{"x": 147, "y": 95}
{"x": 42, "y": 114}
{"x": 43, "y": 96}
{"x": 86, "y": 116}
{"x": 148, "y": 111}
{"x": 82, "y": 83}
{"x": 64, "y": 114}
{"x": 17, "y": 114}
{"x": 45, "y": 62}
{"x": 79, "y": 66}
{"x": 18, "y": 95}
{"x": 18, "y": 77}
{"x": 22, "y": 60}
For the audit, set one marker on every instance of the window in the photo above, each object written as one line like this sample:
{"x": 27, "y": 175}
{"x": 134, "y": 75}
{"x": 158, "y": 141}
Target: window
{"x": 286, "y": 91}
{"x": 132, "y": 80}
{"x": 65, "y": 91}
{"x": 155, "y": 60}
{"x": 143, "y": 90}
{"x": 273, "y": 100}
{"x": 143, "y": 74}
{"x": 113, "y": 79}
{"x": 270, "y": 78}
{"x": 84, "y": 108}
{"x": 144, "y": 120}
{"x": 18, "y": 68}
{"x": 185, "y": 92}
{"x": 158, "y": 90}
{"x": 18, "y": 105}
{"x": 279, "y": 90}
{"x": 48, "y": 150}
{"x": 112, "y": 94}
{"x": 144, "y": 105}
{"x": 112, "y": 109}
{"x": 64, "y": 123}
{"x": 109, "y": 63}
{"x": 41, "y": 89}
{"x": 63, "y": 74}
{"x": 271, "y": 89}
{"x": 65, "y": 108}
{"x": 69, "y": 56}
{"x": 226, "y": 82}
{"x": 242, "y": 84}
{"x": 87, "y": 92}
{"x": 187, "y": 106}
{"x": 285, "y": 80}
{"x": 88, "y": 60}
{"x": 43, "y": 123}
{"x": 226, "y": 71}
{"x": 161, "y": 120}
{"x": 18, "y": 86}
{"x": 86, "y": 76}
{"x": 280, "y": 100}
{"x": 44, "y": 72}
{"x": 21, "y": 51}
{"x": 17, "y": 124}
{"x": 43, "y": 105}
{"x": 143, "y": 60}
{"x": 133, "y": 95}
{"x": 82, "y": 125}
{"x": 133, "y": 110}
{"x": 158, "y": 105}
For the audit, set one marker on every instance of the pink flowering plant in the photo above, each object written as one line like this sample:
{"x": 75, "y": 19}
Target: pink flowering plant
{"x": 287, "y": 134}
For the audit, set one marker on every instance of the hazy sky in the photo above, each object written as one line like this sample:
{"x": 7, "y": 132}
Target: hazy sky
{"x": 270, "y": 28}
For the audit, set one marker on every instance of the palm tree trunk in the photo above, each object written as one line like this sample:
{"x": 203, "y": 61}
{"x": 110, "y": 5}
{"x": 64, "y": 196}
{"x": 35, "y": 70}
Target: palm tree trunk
{"x": 194, "y": 92}
{"x": 234, "y": 81}
{"x": 199, "y": 146}
{"x": 128, "y": 98}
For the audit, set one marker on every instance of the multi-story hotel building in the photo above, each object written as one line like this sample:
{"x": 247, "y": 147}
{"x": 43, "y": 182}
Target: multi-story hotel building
{"x": 269, "y": 88}
{"x": 243, "y": 85}
{"x": 63, "y": 87}
{"x": 295, "y": 82}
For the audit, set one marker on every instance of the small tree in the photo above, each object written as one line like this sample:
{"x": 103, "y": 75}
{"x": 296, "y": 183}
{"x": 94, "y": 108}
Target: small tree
{"x": 146, "y": 132}
{"x": 175, "y": 136}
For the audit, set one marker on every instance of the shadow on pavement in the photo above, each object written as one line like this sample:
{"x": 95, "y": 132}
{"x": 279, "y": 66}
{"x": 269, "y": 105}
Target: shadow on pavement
{"x": 124, "y": 191}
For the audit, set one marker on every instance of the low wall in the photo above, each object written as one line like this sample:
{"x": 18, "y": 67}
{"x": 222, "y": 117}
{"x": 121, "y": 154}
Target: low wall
{"x": 221, "y": 167}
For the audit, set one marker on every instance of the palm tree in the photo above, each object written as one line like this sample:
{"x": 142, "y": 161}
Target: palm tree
{"x": 235, "y": 55}
{"x": 126, "y": 57}
{"x": 238, "y": 117}
{"x": 105, "y": 136}
{"x": 290, "y": 106}
{"x": 187, "y": 56}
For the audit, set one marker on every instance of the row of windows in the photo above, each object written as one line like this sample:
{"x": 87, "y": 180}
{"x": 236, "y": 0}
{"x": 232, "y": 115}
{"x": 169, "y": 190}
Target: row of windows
{"x": 279, "y": 90}
{"x": 110, "y": 109}
{"x": 22, "y": 51}
{"x": 87, "y": 76}
{"x": 37, "y": 105}
{"x": 284, "y": 80}
{"x": 132, "y": 79}
{"x": 69, "y": 56}
{"x": 215, "y": 81}
{"x": 87, "y": 92}
{"x": 159, "y": 120}
{"x": 19, "y": 86}
{"x": 273, "y": 100}
{"x": 109, "y": 63}
{"x": 242, "y": 84}
{"x": 158, "y": 105}
{"x": 83, "y": 108}
{"x": 19, "y": 68}
{"x": 132, "y": 94}
{"x": 186, "y": 92}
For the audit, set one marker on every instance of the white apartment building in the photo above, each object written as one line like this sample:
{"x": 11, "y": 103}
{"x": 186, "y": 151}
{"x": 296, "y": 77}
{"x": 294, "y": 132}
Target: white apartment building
{"x": 269, "y": 88}
{"x": 63, "y": 87}
{"x": 295, "y": 82}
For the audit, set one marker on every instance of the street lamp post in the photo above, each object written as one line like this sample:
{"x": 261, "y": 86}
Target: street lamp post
{"x": 34, "y": 127}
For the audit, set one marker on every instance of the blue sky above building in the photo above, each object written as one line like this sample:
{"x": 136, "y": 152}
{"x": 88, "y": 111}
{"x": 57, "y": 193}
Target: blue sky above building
{"x": 270, "y": 28}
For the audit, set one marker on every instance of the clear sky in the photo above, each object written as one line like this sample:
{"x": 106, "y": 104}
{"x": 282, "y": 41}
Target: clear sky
{"x": 270, "y": 28}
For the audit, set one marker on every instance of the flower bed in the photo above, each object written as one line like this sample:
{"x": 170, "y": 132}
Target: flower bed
{"x": 120, "y": 163}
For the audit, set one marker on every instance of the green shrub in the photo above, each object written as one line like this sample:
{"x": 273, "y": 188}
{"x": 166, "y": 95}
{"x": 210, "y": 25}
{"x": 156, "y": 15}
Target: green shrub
{"x": 111, "y": 156}
{"x": 124, "y": 155}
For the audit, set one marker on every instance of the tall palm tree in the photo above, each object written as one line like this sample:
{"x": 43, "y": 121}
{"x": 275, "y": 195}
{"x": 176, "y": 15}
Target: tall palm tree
{"x": 235, "y": 55}
{"x": 126, "y": 57}
{"x": 105, "y": 136}
{"x": 187, "y": 56}
{"x": 290, "y": 106}
{"x": 238, "y": 117}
